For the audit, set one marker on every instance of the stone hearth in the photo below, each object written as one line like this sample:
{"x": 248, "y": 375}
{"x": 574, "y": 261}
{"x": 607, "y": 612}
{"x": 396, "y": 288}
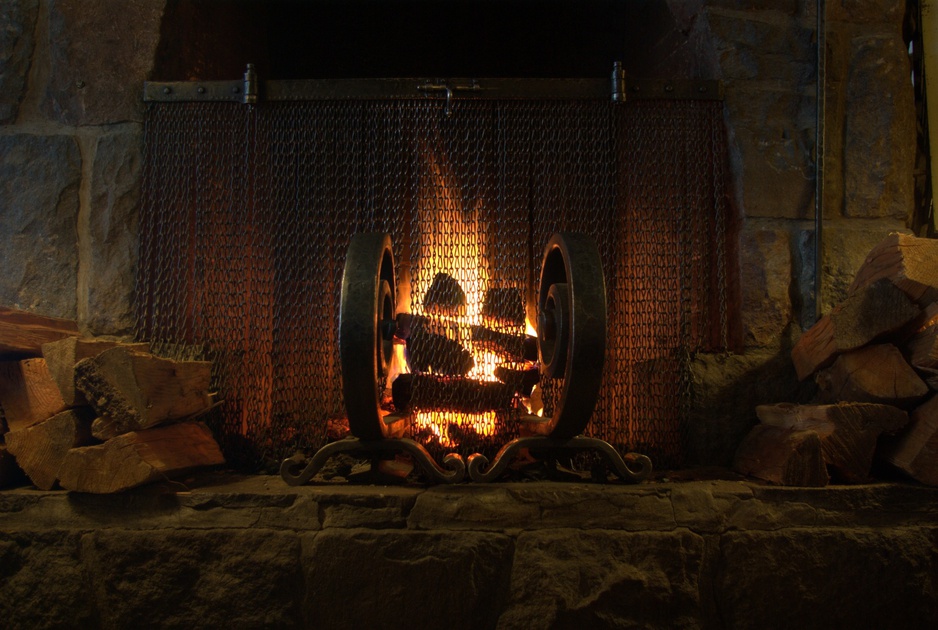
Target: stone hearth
{"x": 253, "y": 552}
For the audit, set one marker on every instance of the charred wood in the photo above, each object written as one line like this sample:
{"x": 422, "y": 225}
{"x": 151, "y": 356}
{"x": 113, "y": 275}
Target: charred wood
{"x": 430, "y": 392}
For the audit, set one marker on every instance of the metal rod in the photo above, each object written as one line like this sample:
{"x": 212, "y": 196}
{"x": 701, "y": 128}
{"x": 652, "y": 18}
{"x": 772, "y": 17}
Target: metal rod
{"x": 819, "y": 157}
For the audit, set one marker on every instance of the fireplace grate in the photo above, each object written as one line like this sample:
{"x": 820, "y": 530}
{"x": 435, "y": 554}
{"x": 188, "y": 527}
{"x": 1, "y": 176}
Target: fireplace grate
{"x": 248, "y": 211}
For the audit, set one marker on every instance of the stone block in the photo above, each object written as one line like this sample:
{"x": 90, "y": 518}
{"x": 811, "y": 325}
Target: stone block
{"x": 204, "y": 579}
{"x": 640, "y": 580}
{"x": 108, "y": 276}
{"x": 771, "y": 150}
{"x": 889, "y": 12}
{"x": 786, "y": 7}
{"x": 363, "y": 579}
{"x": 879, "y": 130}
{"x": 41, "y": 581}
{"x": 765, "y": 284}
{"x": 101, "y": 54}
{"x": 39, "y": 181}
{"x": 18, "y": 18}
{"x": 826, "y": 578}
{"x": 779, "y": 50}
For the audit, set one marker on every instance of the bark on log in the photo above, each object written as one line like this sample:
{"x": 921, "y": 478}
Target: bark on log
{"x": 874, "y": 374}
{"x": 445, "y": 296}
{"x": 504, "y": 306}
{"x": 514, "y": 347}
{"x": 429, "y": 392}
{"x": 871, "y": 312}
{"x": 133, "y": 390}
{"x": 783, "y": 456}
{"x": 28, "y": 393}
{"x": 848, "y": 432}
{"x": 915, "y": 450}
{"x": 909, "y": 262}
{"x": 139, "y": 457}
{"x": 41, "y": 448}
{"x": 62, "y": 356}
{"x": 428, "y": 351}
{"x": 22, "y": 333}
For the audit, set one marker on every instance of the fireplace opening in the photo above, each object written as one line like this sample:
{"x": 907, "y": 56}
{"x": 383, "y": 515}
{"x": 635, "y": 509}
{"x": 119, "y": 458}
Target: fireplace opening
{"x": 248, "y": 212}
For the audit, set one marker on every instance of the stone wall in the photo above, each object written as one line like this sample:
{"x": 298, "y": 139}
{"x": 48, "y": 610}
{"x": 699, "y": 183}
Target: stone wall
{"x": 71, "y": 75}
{"x": 255, "y": 553}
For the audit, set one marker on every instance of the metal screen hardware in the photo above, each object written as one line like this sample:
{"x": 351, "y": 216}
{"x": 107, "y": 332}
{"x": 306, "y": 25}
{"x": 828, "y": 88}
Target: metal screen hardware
{"x": 250, "y": 90}
{"x": 247, "y": 214}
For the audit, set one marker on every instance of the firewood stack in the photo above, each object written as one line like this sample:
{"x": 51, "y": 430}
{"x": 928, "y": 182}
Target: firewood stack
{"x": 874, "y": 358}
{"x": 94, "y": 415}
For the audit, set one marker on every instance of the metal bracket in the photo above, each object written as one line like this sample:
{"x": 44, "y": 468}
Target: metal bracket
{"x": 297, "y": 471}
{"x": 479, "y": 470}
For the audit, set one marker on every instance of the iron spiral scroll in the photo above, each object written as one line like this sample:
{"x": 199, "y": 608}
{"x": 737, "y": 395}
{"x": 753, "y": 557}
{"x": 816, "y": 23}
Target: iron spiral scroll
{"x": 571, "y": 322}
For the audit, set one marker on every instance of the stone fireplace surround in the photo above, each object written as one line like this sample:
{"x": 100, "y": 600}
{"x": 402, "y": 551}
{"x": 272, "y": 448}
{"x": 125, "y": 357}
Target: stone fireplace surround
{"x": 255, "y": 553}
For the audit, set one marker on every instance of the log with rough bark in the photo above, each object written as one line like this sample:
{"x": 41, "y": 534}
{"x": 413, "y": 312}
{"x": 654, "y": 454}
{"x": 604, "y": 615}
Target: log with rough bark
{"x": 915, "y": 450}
{"x": 873, "y": 311}
{"x": 41, "y": 448}
{"x": 62, "y": 356}
{"x": 848, "y": 432}
{"x": 430, "y": 392}
{"x": 22, "y": 333}
{"x": 139, "y": 457}
{"x": 427, "y": 351}
{"x": 875, "y": 374}
{"x": 788, "y": 457}
{"x": 28, "y": 393}
{"x": 909, "y": 262}
{"x": 515, "y": 347}
{"x": 134, "y": 390}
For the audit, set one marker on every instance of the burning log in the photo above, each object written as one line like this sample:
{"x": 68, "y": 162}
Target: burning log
{"x": 27, "y": 393}
{"x": 522, "y": 376}
{"x": 789, "y": 457}
{"x": 503, "y": 306}
{"x": 139, "y": 457}
{"x": 915, "y": 451}
{"x": 874, "y": 374}
{"x": 848, "y": 431}
{"x": 428, "y": 351}
{"x": 134, "y": 390}
{"x": 62, "y": 356}
{"x": 517, "y": 347}
{"x": 41, "y": 448}
{"x": 869, "y": 313}
{"x": 430, "y": 392}
{"x": 445, "y": 296}
{"x": 23, "y": 333}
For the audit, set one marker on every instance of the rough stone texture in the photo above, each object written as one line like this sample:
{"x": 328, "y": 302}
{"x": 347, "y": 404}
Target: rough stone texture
{"x": 726, "y": 392}
{"x": 93, "y": 85}
{"x": 407, "y": 579}
{"x": 641, "y": 580}
{"x": 879, "y": 130}
{"x": 849, "y": 578}
{"x": 18, "y": 20}
{"x": 775, "y": 49}
{"x": 39, "y": 182}
{"x": 765, "y": 283}
{"x": 179, "y": 579}
{"x": 867, "y": 11}
{"x": 112, "y": 229}
{"x": 41, "y": 581}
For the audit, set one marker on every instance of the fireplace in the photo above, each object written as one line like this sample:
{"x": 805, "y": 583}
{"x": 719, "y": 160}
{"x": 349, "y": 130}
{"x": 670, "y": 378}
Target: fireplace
{"x": 249, "y": 209}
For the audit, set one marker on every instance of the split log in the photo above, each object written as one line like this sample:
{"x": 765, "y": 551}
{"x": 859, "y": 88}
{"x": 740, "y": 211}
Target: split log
{"x": 445, "y": 296}
{"x": 516, "y": 347}
{"x": 427, "y": 351}
{"x": 41, "y": 448}
{"x": 430, "y": 392}
{"x": 868, "y": 314}
{"x": 22, "y": 333}
{"x": 908, "y": 262}
{"x": 62, "y": 356}
{"x": 139, "y": 457}
{"x": 923, "y": 345}
{"x": 788, "y": 457}
{"x": 10, "y": 473}
{"x": 874, "y": 374}
{"x": 848, "y": 432}
{"x": 134, "y": 390}
{"x": 915, "y": 451}
{"x": 503, "y": 306}
{"x": 28, "y": 393}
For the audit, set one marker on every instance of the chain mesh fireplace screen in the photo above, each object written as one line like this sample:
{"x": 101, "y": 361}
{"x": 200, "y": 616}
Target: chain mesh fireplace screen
{"x": 248, "y": 211}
